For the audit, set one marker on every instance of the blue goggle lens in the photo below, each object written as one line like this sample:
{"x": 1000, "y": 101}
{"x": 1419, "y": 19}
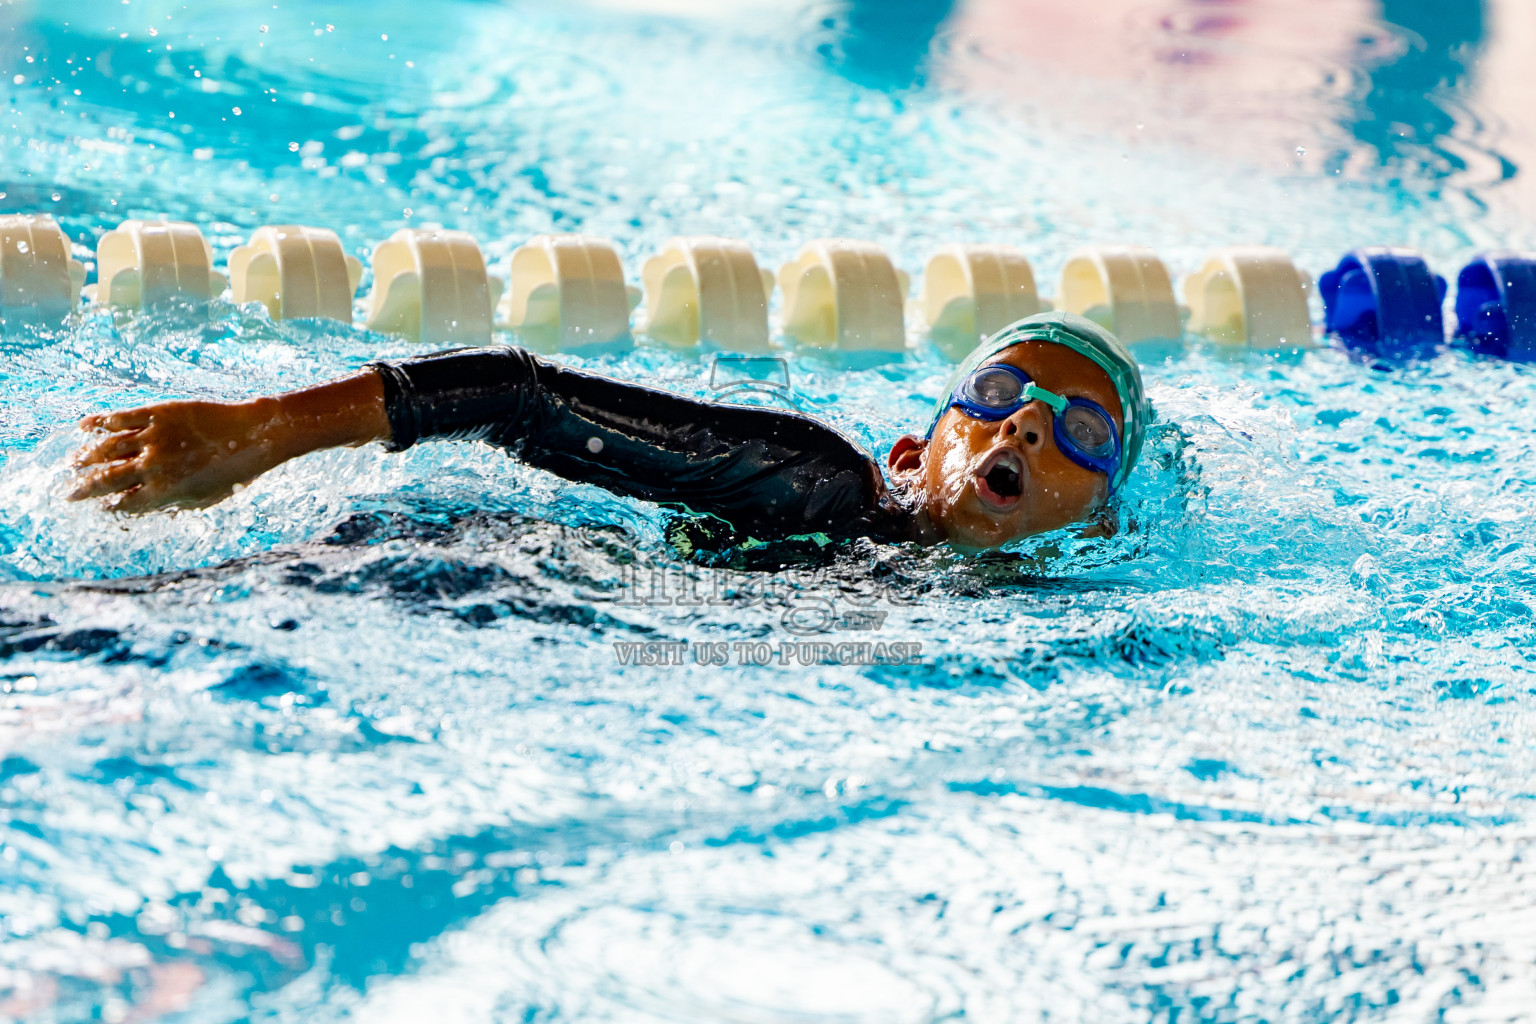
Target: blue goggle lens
{"x": 994, "y": 388}
{"x": 1089, "y": 431}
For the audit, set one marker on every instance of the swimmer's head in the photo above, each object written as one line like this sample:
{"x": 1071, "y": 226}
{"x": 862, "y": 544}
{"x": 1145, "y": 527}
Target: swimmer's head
{"x": 1035, "y": 431}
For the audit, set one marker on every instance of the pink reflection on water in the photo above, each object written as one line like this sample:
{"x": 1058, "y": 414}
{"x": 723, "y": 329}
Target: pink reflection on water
{"x": 1252, "y": 78}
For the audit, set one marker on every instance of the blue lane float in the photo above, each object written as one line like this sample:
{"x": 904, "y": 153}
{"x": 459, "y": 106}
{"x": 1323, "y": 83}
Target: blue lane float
{"x": 1386, "y": 302}
{"x": 1496, "y": 305}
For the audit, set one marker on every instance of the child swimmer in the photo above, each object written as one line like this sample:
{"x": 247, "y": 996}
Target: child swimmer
{"x": 1036, "y": 430}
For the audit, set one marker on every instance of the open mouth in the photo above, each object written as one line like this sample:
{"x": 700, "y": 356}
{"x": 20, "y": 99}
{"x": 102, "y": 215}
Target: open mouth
{"x": 1000, "y": 480}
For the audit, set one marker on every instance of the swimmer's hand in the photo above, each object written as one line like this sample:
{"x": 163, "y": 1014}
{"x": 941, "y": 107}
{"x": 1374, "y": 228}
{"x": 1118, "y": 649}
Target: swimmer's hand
{"x": 194, "y": 454}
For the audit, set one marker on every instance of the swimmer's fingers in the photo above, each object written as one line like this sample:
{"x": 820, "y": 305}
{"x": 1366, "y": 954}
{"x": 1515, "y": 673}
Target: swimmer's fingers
{"x": 184, "y": 454}
{"x": 128, "y": 419}
{"x": 126, "y": 501}
{"x": 143, "y": 492}
{"x": 149, "y": 497}
{"x": 108, "y": 479}
{"x": 112, "y": 448}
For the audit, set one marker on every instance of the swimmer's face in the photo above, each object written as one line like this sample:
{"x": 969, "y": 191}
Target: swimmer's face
{"x": 984, "y": 483}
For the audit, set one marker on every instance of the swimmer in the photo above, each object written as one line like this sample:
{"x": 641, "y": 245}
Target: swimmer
{"x": 1038, "y": 428}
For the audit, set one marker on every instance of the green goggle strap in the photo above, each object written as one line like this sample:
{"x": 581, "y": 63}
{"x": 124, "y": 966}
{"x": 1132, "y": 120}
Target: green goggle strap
{"x": 1050, "y": 398}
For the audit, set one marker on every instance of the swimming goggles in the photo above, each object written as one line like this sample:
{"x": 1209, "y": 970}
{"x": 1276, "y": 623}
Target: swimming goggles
{"x": 1083, "y": 429}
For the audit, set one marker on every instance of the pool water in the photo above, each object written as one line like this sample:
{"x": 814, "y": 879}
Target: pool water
{"x": 372, "y": 739}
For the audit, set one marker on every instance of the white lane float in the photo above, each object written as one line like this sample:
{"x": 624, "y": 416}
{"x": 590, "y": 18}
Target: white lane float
{"x": 568, "y": 291}
{"x": 431, "y": 286}
{"x": 147, "y": 263}
{"x": 845, "y": 294}
{"x": 1125, "y": 288}
{"x": 971, "y": 292}
{"x": 39, "y": 280}
{"x": 1250, "y": 295}
{"x": 707, "y": 289}
{"x": 295, "y": 271}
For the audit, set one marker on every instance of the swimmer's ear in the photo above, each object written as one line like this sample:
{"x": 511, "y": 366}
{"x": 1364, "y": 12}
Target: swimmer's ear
{"x": 906, "y": 458}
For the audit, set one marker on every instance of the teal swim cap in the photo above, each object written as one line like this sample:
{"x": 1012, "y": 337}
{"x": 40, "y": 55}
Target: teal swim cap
{"x": 1086, "y": 338}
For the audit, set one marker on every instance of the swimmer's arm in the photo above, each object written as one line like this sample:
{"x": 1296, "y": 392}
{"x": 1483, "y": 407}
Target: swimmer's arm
{"x": 192, "y": 454}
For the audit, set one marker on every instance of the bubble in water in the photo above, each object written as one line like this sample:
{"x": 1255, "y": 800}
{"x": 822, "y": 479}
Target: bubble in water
{"x": 263, "y": 29}
{"x": 1301, "y": 150}
{"x": 56, "y": 197}
{"x": 21, "y": 247}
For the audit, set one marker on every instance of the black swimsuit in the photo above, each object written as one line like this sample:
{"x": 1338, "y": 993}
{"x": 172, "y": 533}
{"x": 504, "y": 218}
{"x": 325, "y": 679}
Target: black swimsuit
{"x": 768, "y": 474}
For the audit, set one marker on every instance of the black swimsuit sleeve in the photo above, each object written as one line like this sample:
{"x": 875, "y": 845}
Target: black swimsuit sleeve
{"x": 766, "y": 472}
{"x": 462, "y": 394}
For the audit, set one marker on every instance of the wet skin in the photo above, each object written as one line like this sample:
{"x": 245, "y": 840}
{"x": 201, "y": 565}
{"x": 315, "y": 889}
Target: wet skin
{"x": 1039, "y": 489}
{"x": 192, "y": 454}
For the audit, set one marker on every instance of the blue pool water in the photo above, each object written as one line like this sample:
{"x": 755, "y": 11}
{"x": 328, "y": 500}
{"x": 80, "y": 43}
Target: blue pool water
{"x": 359, "y": 743}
